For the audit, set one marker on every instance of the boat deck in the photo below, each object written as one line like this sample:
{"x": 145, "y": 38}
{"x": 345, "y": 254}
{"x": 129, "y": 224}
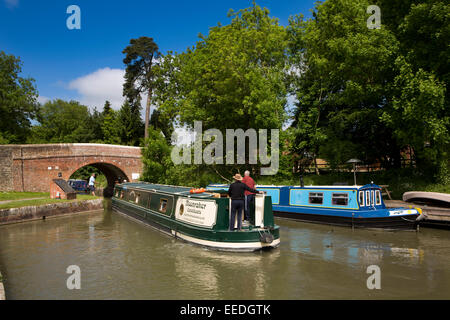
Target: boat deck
{"x": 434, "y": 216}
{"x": 170, "y": 189}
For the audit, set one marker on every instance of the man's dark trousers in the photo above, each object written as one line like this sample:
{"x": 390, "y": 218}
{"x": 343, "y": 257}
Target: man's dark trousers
{"x": 248, "y": 199}
{"x": 236, "y": 205}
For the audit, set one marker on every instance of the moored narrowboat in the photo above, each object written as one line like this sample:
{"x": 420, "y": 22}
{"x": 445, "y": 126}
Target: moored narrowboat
{"x": 353, "y": 206}
{"x": 197, "y": 216}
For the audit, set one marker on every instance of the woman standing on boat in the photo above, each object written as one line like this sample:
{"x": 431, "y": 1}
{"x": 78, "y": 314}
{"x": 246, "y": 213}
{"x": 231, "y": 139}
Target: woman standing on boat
{"x": 236, "y": 193}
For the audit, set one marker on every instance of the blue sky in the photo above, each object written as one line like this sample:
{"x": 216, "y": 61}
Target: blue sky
{"x": 86, "y": 64}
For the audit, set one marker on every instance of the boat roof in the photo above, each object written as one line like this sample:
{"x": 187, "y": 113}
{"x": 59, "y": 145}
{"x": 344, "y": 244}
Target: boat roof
{"x": 179, "y": 190}
{"x": 306, "y": 187}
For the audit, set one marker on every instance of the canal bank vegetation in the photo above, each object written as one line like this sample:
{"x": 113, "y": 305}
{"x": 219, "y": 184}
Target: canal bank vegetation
{"x": 4, "y": 196}
{"x": 336, "y": 87}
{"x": 38, "y": 201}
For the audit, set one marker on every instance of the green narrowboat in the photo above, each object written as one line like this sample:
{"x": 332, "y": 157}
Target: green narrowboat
{"x": 200, "y": 218}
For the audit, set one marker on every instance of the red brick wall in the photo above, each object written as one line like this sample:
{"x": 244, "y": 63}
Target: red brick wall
{"x": 32, "y": 167}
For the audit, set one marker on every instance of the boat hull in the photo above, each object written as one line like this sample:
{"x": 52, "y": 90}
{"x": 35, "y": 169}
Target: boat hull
{"x": 395, "y": 223}
{"x": 236, "y": 241}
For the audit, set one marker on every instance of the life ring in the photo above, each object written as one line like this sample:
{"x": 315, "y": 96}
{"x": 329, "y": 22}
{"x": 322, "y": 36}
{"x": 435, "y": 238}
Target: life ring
{"x": 199, "y": 190}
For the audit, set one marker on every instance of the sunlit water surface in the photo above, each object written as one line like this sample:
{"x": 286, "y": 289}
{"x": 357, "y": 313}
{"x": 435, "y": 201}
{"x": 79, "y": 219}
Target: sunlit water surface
{"x": 122, "y": 259}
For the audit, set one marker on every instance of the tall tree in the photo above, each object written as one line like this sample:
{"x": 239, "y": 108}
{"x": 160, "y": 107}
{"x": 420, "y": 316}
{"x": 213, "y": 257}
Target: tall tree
{"x": 233, "y": 78}
{"x": 17, "y": 101}
{"x": 110, "y": 128}
{"x": 139, "y": 77}
{"x": 343, "y": 69}
{"x": 129, "y": 124}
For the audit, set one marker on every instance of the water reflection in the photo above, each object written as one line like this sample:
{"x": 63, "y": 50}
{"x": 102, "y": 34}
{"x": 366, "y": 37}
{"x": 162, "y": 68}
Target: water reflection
{"x": 214, "y": 271}
{"x": 351, "y": 246}
{"x": 121, "y": 259}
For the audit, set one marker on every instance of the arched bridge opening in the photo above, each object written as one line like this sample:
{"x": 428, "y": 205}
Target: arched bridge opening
{"x": 112, "y": 173}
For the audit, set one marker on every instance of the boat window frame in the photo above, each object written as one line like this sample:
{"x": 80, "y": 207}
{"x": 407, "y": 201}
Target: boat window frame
{"x": 368, "y": 198}
{"x": 372, "y": 197}
{"x": 316, "y": 197}
{"x": 335, "y": 197}
{"x": 130, "y": 199}
{"x": 149, "y": 200}
{"x": 138, "y": 197}
{"x": 377, "y": 197}
{"x": 361, "y": 199}
{"x": 122, "y": 194}
{"x": 160, "y": 209}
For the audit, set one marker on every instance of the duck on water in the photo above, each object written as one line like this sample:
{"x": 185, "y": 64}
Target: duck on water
{"x": 197, "y": 216}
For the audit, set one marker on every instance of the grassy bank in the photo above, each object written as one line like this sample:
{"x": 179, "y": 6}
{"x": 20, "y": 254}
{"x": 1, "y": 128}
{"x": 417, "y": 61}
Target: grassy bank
{"x": 22, "y": 195}
{"x": 38, "y": 202}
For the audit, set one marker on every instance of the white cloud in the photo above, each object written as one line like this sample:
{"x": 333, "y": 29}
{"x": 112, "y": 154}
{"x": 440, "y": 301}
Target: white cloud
{"x": 101, "y": 85}
{"x": 11, "y": 3}
{"x": 43, "y": 99}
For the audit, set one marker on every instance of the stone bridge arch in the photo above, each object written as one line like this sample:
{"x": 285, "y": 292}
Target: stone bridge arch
{"x": 33, "y": 167}
{"x": 112, "y": 171}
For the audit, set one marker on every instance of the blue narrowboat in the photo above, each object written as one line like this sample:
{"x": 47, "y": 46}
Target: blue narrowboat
{"x": 353, "y": 206}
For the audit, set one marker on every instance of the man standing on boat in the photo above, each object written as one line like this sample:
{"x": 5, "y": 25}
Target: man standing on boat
{"x": 236, "y": 193}
{"x": 249, "y": 196}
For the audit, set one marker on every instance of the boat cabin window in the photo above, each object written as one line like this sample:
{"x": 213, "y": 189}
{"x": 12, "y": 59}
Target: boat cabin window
{"x": 377, "y": 198}
{"x": 367, "y": 198}
{"x": 163, "y": 205}
{"x": 117, "y": 193}
{"x": 361, "y": 198}
{"x": 340, "y": 199}
{"x": 122, "y": 194}
{"x": 132, "y": 196}
{"x": 316, "y": 197}
{"x": 137, "y": 198}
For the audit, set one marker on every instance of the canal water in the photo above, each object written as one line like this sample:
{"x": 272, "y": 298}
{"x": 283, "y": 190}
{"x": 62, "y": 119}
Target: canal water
{"x": 121, "y": 259}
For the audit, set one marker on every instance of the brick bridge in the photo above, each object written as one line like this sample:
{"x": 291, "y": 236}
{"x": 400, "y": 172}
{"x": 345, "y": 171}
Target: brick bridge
{"x": 32, "y": 167}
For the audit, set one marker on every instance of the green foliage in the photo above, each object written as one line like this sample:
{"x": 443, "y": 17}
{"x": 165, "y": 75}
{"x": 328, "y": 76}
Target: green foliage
{"x": 110, "y": 126}
{"x": 14, "y": 195}
{"x": 360, "y": 91}
{"x": 156, "y": 157}
{"x": 40, "y": 202}
{"x": 84, "y": 173}
{"x": 232, "y": 78}
{"x": 17, "y": 101}
{"x": 129, "y": 124}
{"x": 343, "y": 68}
{"x": 417, "y": 113}
{"x": 61, "y": 122}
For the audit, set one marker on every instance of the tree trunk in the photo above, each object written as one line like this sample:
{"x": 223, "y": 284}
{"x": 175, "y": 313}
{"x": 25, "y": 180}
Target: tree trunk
{"x": 316, "y": 168}
{"x": 147, "y": 113}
